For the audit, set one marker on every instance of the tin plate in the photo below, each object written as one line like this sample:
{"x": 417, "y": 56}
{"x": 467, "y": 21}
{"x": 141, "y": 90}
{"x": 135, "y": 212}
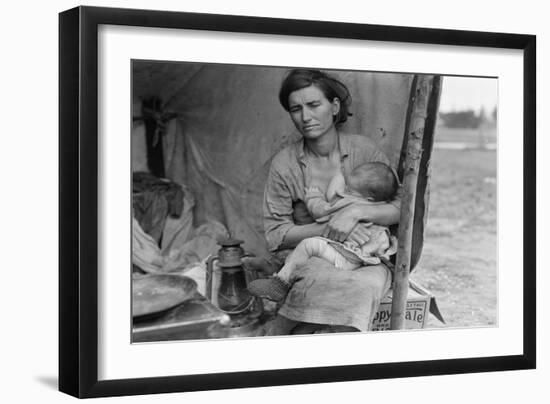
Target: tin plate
{"x": 153, "y": 294}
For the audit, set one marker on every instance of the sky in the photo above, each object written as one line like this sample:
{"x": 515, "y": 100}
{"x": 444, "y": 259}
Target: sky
{"x": 460, "y": 93}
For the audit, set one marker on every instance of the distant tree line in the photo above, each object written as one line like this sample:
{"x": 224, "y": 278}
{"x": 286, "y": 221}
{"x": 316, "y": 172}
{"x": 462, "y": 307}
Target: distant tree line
{"x": 467, "y": 118}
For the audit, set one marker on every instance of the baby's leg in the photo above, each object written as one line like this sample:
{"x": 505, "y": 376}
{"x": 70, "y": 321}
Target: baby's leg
{"x": 313, "y": 247}
{"x": 330, "y": 254}
{"x": 298, "y": 257}
{"x": 277, "y": 287}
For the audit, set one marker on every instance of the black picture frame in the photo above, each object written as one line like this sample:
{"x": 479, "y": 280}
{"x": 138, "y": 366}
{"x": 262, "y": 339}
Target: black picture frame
{"x": 78, "y": 201}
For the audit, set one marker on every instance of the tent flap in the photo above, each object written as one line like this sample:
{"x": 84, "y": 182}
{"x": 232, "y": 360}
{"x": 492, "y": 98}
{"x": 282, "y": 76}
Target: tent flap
{"x": 230, "y": 124}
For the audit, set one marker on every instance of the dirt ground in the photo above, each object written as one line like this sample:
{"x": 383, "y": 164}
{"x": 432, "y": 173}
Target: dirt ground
{"x": 458, "y": 263}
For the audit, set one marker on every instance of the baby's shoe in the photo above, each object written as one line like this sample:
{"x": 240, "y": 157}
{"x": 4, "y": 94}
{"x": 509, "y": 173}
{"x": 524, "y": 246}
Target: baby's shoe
{"x": 273, "y": 288}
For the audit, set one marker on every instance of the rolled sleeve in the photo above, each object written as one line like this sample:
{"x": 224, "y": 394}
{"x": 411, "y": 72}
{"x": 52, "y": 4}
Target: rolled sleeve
{"x": 277, "y": 210}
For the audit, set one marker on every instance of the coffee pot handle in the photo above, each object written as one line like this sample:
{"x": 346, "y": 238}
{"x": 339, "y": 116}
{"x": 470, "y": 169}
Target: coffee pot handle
{"x": 210, "y": 276}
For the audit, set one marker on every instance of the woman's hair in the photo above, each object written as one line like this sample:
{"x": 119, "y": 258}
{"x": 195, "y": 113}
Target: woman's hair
{"x": 375, "y": 180}
{"x": 332, "y": 88}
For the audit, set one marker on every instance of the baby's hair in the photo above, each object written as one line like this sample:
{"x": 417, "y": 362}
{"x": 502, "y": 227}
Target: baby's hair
{"x": 374, "y": 180}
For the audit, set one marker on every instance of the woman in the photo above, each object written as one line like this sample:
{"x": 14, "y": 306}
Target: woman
{"x": 318, "y": 104}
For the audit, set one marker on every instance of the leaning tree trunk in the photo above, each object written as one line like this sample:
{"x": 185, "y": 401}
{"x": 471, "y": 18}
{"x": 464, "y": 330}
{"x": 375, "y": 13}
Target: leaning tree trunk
{"x": 424, "y": 103}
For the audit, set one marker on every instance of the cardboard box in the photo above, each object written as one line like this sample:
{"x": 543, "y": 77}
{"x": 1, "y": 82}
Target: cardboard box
{"x": 418, "y": 307}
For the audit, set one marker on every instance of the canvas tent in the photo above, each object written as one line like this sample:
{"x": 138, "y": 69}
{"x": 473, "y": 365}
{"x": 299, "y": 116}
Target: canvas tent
{"x": 223, "y": 124}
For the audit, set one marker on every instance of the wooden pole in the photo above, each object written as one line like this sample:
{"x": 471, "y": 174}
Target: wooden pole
{"x": 415, "y": 133}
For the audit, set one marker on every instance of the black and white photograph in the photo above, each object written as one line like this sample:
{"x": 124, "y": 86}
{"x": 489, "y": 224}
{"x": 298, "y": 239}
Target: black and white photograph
{"x": 275, "y": 202}
{"x": 283, "y": 201}
{"x": 252, "y": 202}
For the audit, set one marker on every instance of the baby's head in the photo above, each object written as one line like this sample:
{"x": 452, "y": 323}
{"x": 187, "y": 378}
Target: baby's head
{"x": 374, "y": 181}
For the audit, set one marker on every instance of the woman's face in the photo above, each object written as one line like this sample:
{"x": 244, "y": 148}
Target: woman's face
{"x": 311, "y": 112}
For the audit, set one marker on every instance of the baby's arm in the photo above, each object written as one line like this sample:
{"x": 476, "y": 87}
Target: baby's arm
{"x": 316, "y": 204}
{"x": 319, "y": 208}
{"x": 336, "y": 187}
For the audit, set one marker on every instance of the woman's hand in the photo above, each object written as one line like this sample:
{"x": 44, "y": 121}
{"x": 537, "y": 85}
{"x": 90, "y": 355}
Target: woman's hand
{"x": 360, "y": 234}
{"x": 341, "y": 224}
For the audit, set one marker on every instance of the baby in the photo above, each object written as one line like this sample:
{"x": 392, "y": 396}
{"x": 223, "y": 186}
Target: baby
{"x": 370, "y": 183}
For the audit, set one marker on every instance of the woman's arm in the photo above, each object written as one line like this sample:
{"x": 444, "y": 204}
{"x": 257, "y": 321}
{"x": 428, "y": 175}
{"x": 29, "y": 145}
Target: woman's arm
{"x": 343, "y": 222}
{"x": 281, "y": 232}
{"x": 384, "y": 214}
{"x": 297, "y": 233}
